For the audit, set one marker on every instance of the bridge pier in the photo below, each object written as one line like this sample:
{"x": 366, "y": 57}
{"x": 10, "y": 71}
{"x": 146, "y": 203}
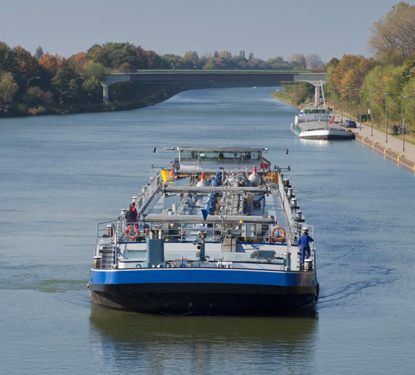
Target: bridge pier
{"x": 110, "y": 79}
{"x": 316, "y": 96}
{"x": 105, "y": 93}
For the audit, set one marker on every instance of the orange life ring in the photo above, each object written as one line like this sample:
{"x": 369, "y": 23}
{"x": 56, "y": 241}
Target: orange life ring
{"x": 131, "y": 232}
{"x": 277, "y": 237}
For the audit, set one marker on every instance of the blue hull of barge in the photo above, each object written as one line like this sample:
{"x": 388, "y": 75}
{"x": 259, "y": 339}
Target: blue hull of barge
{"x": 214, "y": 291}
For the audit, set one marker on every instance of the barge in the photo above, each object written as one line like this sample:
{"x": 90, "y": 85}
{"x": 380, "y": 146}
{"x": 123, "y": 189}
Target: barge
{"x": 215, "y": 233}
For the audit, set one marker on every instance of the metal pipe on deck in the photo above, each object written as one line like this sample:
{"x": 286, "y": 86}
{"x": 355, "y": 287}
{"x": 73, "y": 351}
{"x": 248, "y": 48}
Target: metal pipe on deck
{"x": 190, "y": 219}
{"x": 213, "y": 189}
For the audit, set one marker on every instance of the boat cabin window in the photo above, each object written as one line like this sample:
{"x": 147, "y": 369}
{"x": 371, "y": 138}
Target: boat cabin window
{"x": 186, "y": 155}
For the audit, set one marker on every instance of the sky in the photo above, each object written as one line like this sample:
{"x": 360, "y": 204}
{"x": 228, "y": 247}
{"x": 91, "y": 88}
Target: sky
{"x": 267, "y": 28}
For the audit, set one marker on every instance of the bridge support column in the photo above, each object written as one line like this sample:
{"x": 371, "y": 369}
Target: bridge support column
{"x": 105, "y": 93}
{"x": 316, "y": 96}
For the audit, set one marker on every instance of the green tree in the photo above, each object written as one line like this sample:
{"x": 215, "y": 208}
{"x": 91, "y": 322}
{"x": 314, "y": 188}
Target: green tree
{"x": 297, "y": 61}
{"x": 38, "y": 53}
{"x": 276, "y": 63}
{"x": 392, "y": 37}
{"x": 191, "y": 55}
{"x": 7, "y": 58}
{"x": 94, "y": 70}
{"x": 35, "y": 96}
{"x": 64, "y": 86}
{"x": 8, "y": 87}
{"x": 93, "y": 90}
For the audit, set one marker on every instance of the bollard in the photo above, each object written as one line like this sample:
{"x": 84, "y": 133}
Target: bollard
{"x": 308, "y": 265}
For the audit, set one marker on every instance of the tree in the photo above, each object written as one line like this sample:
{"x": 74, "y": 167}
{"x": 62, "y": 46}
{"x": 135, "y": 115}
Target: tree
{"x": 225, "y": 55}
{"x": 35, "y": 96}
{"x": 297, "y": 61}
{"x": 216, "y": 63}
{"x": 94, "y": 70}
{"x": 276, "y": 63}
{"x": 38, "y": 53}
{"x": 113, "y": 55}
{"x": 191, "y": 60}
{"x": 312, "y": 61}
{"x": 172, "y": 61}
{"x": 393, "y": 37}
{"x": 27, "y": 65}
{"x": 153, "y": 61}
{"x": 64, "y": 86}
{"x": 300, "y": 92}
{"x": 7, "y": 58}
{"x": 78, "y": 61}
{"x": 93, "y": 89}
{"x": 192, "y": 56}
{"x": 8, "y": 87}
{"x": 55, "y": 63}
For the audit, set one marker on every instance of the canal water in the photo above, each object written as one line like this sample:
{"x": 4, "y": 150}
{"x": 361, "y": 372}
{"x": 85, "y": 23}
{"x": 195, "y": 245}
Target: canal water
{"x": 60, "y": 175}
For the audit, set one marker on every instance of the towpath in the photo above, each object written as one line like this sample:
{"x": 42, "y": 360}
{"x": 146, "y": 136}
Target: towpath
{"x": 393, "y": 149}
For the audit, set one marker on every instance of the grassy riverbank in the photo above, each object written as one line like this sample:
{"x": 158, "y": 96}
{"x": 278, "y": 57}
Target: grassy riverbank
{"x": 23, "y": 110}
{"x": 284, "y": 98}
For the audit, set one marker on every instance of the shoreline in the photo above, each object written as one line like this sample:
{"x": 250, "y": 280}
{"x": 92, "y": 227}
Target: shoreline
{"x": 391, "y": 149}
{"x": 74, "y": 109}
{"x": 392, "y": 155}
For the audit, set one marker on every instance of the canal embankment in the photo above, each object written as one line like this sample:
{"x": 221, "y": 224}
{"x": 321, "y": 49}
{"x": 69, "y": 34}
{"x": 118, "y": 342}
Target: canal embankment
{"x": 391, "y": 147}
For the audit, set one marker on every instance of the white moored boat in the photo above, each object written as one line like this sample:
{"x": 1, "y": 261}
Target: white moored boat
{"x": 319, "y": 130}
{"x": 317, "y": 123}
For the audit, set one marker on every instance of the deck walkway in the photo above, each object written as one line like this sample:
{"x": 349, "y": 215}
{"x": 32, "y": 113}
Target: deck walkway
{"x": 393, "y": 149}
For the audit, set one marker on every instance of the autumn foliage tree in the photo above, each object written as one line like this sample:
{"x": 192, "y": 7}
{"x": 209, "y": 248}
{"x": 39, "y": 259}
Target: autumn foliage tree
{"x": 27, "y": 65}
{"x": 54, "y": 63}
{"x": 78, "y": 61}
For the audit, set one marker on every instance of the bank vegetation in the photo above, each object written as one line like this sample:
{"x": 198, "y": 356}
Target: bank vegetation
{"x": 52, "y": 84}
{"x": 383, "y": 86}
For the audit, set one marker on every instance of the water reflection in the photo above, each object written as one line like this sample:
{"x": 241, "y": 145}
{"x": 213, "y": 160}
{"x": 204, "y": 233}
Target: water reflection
{"x": 165, "y": 344}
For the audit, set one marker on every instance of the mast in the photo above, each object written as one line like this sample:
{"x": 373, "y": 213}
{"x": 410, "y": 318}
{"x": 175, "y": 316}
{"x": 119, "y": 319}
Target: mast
{"x": 324, "y": 101}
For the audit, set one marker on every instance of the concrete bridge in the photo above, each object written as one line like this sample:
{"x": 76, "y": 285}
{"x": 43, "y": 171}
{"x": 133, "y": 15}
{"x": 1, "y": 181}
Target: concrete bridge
{"x": 224, "y": 78}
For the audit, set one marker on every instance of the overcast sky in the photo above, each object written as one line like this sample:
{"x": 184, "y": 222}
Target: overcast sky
{"x": 268, "y": 28}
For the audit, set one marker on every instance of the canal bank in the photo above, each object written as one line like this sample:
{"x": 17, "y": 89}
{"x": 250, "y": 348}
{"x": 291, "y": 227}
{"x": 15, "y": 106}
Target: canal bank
{"x": 390, "y": 146}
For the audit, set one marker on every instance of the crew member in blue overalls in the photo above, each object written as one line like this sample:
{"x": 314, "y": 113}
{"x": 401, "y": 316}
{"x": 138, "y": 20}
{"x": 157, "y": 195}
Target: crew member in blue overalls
{"x": 304, "y": 241}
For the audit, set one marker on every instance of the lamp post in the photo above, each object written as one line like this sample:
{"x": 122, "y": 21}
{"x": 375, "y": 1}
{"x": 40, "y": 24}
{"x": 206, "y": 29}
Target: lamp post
{"x": 360, "y": 107}
{"x": 27, "y": 90}
{"x": 386, "y": 114}
{"x": 350, "y": 110}
{"x": 403, "y": 122}
{"x": 341, "y": 104}
{"x": 371, "y": 115}
{"x": 334, "y": 99}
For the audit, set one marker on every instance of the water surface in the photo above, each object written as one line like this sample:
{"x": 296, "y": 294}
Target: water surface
{"x": 60, "y": 175}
